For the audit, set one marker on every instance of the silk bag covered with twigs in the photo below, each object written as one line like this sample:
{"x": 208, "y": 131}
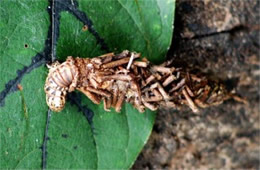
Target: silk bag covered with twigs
{"x": 125, "y": 77}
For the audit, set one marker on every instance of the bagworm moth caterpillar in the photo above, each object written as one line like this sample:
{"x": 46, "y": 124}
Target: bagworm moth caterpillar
{"x": 120, "y": 78}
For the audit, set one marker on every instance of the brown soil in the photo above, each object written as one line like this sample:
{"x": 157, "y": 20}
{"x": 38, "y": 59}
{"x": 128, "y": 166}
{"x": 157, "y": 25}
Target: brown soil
{"x": 220, "y": 38}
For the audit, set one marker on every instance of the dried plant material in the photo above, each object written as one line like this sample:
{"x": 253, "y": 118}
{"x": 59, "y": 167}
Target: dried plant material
{"x": 116, "y": 79}
{"x": 190, "y": 103}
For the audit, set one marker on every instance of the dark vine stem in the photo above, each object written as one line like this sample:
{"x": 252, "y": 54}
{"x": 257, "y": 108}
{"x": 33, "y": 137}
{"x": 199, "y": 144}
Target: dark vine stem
{"x": 53, "y": 46}
{"x": 45, "y": 139}
{"x": 53, "y": 54}
{"x": 57, "y": 6}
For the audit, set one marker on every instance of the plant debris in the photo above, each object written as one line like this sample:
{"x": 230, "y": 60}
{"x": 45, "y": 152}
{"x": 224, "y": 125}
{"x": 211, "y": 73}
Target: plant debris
{"x": 120, "y": 78}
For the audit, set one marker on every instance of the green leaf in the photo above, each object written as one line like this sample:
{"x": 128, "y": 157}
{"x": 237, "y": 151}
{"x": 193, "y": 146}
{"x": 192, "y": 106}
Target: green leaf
{"x": 22, "y": 22}
{"x": 142, "y": 26}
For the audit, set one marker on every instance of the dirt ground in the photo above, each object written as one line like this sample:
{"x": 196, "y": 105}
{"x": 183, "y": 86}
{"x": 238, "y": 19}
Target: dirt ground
{"x": 220, "y": 38}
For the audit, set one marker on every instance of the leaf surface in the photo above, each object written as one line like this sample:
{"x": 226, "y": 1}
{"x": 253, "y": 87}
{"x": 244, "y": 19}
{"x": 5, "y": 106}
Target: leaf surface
{"x": 86, "y": 28}
{"x": 21, "y": 136}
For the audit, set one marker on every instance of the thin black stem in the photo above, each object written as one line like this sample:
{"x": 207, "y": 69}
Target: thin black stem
{"x": 53, "y": 51}
{"x": 45, "y": 139}
{"x": 54, "y": 37}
